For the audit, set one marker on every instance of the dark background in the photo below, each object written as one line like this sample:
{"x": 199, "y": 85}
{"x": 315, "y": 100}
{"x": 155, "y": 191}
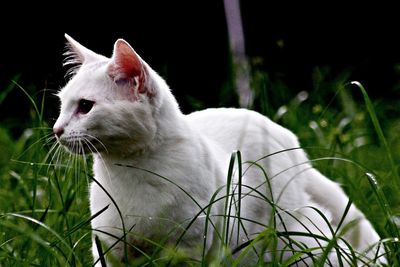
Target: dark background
{"x": 186, "y": 42}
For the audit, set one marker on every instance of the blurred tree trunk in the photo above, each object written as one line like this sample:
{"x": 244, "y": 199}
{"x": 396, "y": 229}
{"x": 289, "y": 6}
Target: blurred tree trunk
{"x": 241, "y": 67}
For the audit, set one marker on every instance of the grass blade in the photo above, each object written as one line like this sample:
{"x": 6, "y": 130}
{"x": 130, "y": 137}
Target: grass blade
{"x": 9, "y": 88}
{"x": 100, "y": 251}
{"x": 379, "y": 132}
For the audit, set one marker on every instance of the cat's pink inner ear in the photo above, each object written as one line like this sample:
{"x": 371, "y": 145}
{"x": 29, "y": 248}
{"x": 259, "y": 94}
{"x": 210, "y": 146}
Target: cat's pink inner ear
{"x": 125, "y": 64}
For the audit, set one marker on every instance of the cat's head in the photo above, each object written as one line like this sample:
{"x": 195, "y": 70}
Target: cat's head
{"x": 110, "y": 104}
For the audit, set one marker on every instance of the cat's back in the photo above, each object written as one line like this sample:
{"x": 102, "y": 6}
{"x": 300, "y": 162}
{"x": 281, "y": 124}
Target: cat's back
{"x": 242, "y": 129}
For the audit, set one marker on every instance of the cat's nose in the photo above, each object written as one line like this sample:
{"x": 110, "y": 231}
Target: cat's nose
{"x": 58, "y": 131}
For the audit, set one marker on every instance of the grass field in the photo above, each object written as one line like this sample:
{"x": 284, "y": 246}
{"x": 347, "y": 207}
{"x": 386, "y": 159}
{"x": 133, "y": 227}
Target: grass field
{"x": 44, "y": 214}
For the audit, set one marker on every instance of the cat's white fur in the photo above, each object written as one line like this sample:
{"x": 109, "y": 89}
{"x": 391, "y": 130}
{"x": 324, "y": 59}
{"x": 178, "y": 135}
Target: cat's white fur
{"x": 161, "y": 167}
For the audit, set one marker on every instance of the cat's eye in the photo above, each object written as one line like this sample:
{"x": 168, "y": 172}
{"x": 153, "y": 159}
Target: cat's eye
{"x": 84, "y": 106}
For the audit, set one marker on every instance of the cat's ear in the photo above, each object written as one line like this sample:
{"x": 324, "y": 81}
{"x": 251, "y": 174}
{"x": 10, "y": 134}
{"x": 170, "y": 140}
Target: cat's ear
{"x": 77, "y": 54}
{"x": 126, "y": 66}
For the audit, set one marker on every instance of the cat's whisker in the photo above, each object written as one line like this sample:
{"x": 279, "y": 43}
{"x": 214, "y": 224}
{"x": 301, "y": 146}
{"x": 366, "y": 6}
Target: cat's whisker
{"x": 97, "y": 140}
{"x": 50, "y": 139}
{"x": 49, "y": 142}
{"x": 78, "y": 148}
{"x": 82, "y": 153}
{"x": 77, "y": 159}
{"x": 92, "y": 149}
{"x": 90, "y": 144}
{"x": 57, "y": 154}
{"x": 84, "y": 162}
{"x": 46, "y": 158}
{"x": 85, "y": 167}
{"x": 60, "y": 154}
{"x": 53, "y": 146}
{"x": 32, "y": 145}
{"x": 54, "y": 158}
{"x": 53, "y": 149}
{"x": 70, "y": 161}
{"x": 102, "y": 161}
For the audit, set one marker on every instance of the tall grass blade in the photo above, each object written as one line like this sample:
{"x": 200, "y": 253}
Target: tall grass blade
{"x": 100, "y": 251}
{"x": 9, "y": 88}
{"x": 391, "y": 227}
{"x": 240, "y": 176}
{"x": 379, "y": 132}
{"x": 46, "y": 227}
{"x": 227, "y": 208}
{"x": 38, "y": 113}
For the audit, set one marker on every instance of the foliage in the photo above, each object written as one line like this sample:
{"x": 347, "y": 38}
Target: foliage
{"x": 44, "y": 213}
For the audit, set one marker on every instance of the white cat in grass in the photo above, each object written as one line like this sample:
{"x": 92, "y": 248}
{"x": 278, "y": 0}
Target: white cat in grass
{"x": 162, "y": 168}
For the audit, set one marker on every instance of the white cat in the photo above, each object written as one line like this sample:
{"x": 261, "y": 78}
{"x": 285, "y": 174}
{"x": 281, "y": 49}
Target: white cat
{"x": 161, "y": 168}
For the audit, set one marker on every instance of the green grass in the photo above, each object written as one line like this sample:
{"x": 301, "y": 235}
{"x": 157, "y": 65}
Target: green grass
{"x": 44, "y": 213}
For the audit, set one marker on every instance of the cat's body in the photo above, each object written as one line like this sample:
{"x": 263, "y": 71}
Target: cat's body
{"x": 162, "y": 167}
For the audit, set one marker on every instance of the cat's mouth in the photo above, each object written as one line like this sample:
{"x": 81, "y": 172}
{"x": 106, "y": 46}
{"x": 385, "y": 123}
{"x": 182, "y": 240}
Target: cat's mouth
{"x": 82, "y": 145}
